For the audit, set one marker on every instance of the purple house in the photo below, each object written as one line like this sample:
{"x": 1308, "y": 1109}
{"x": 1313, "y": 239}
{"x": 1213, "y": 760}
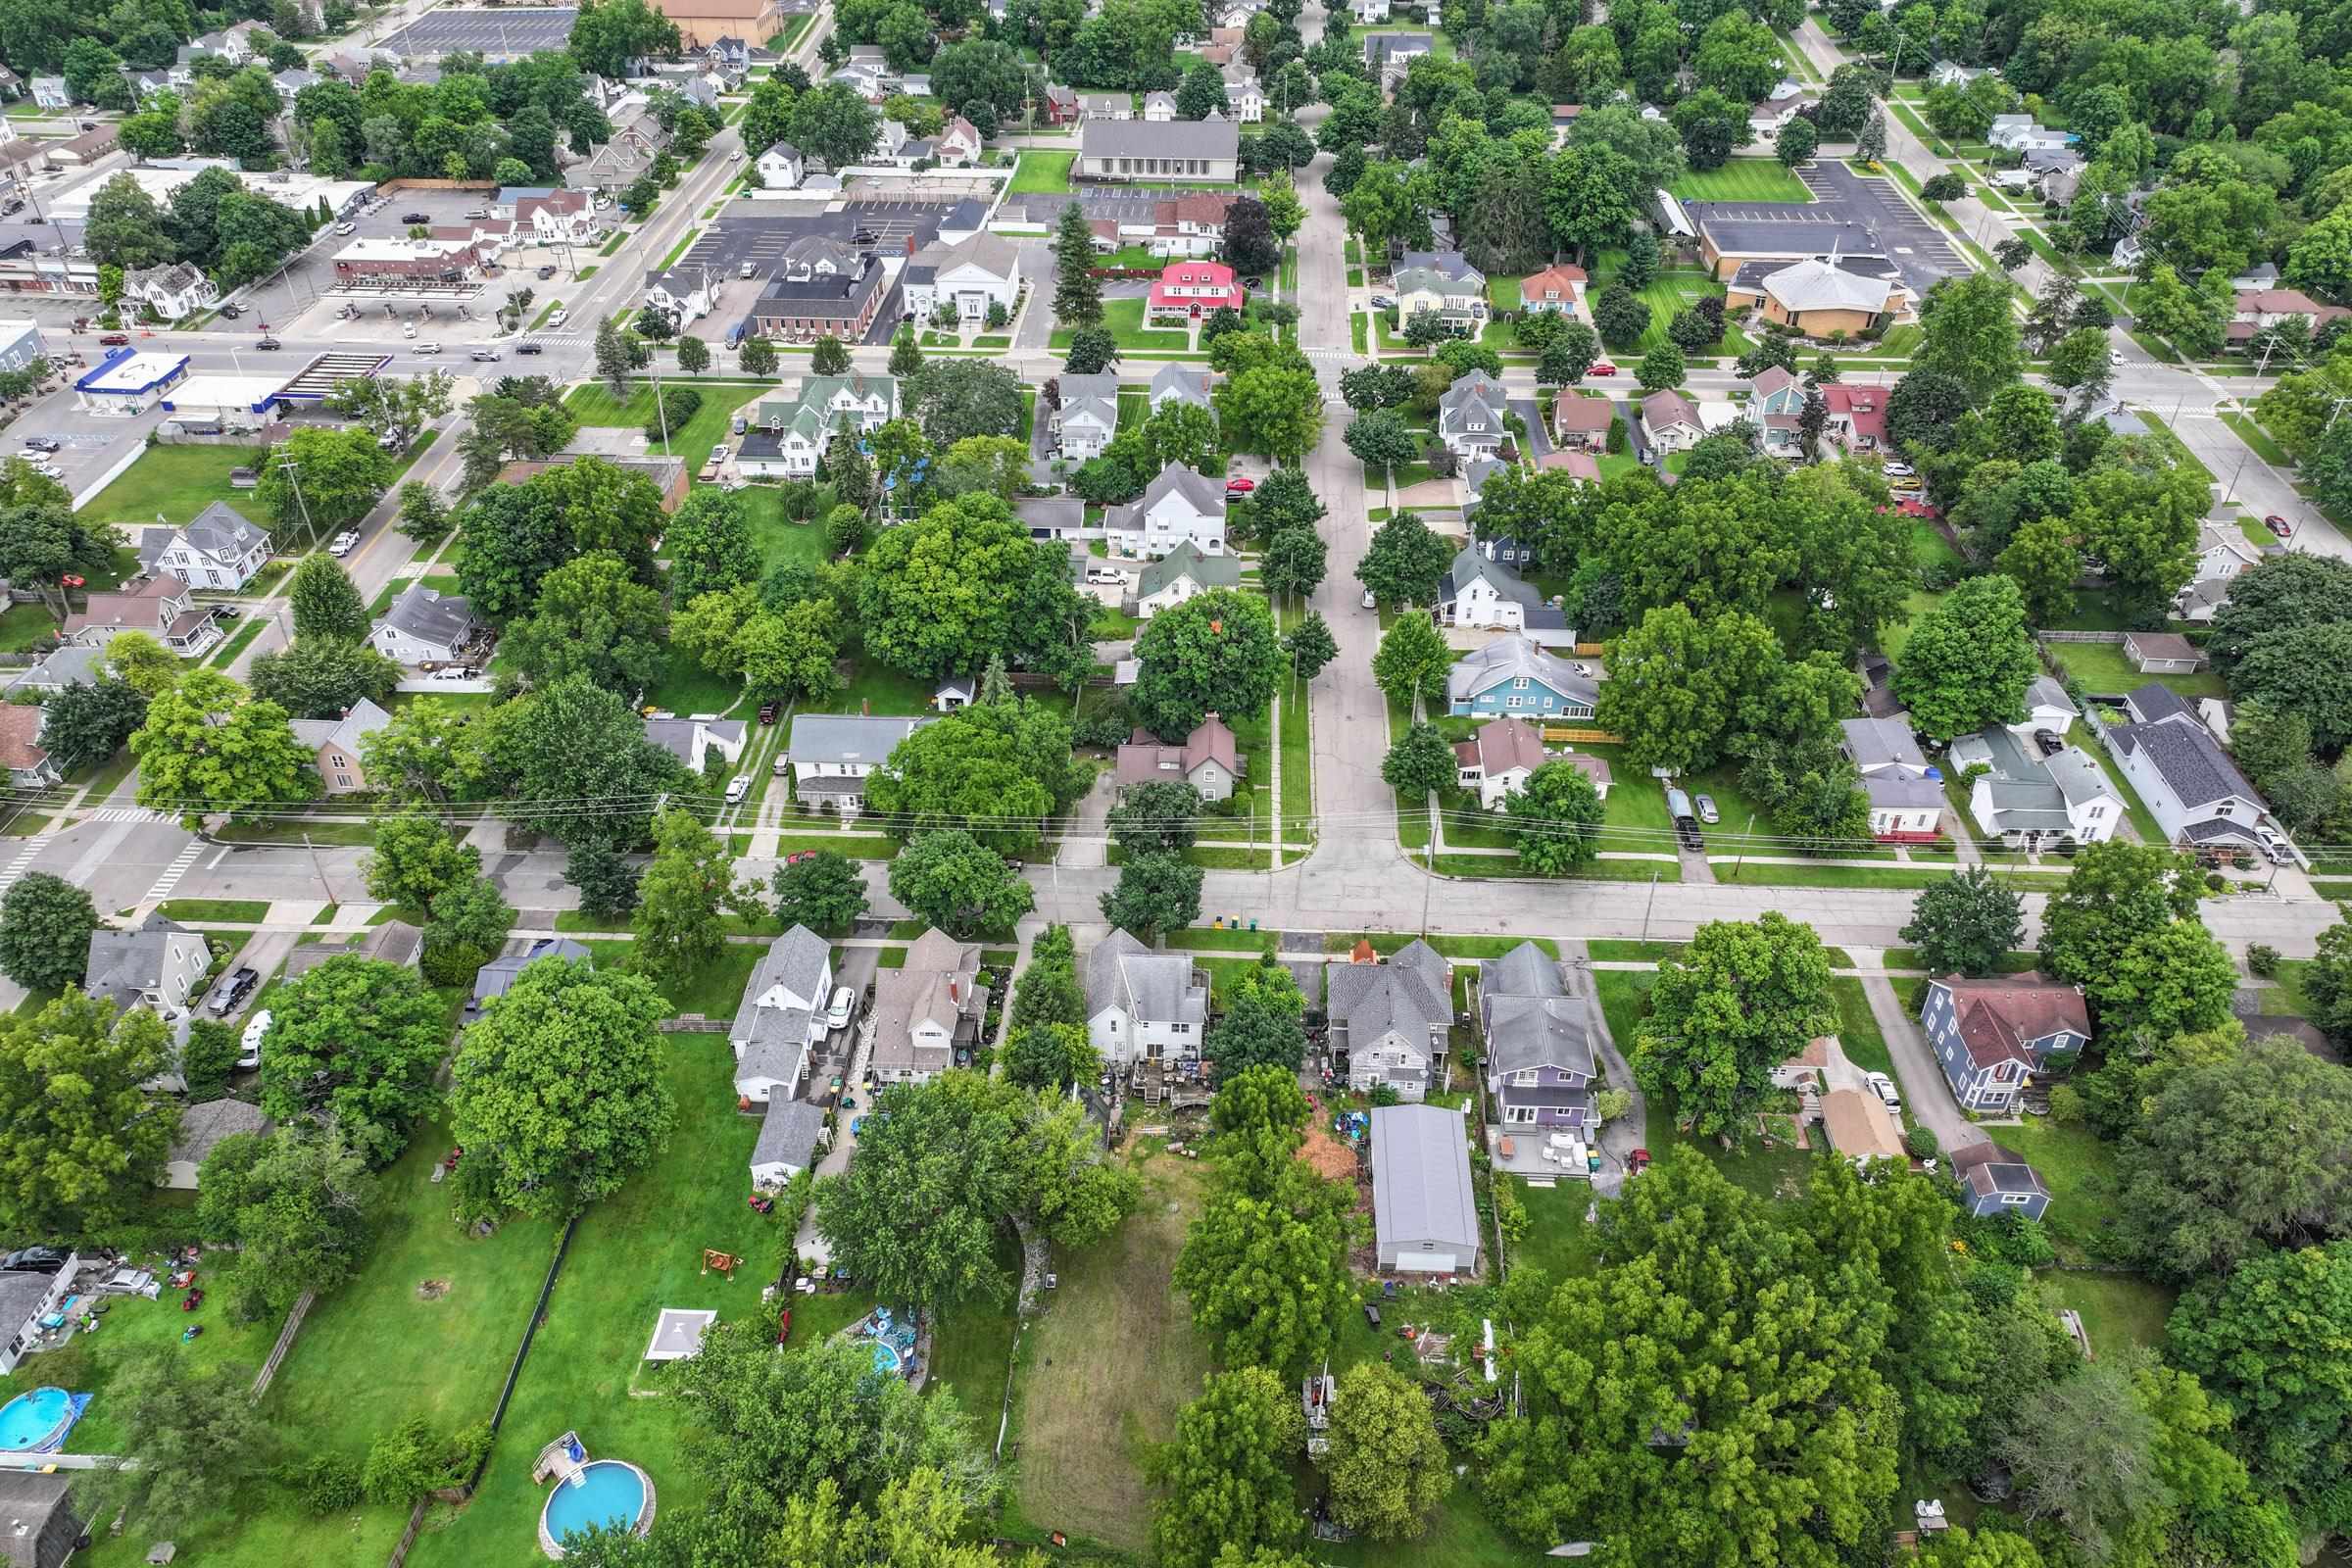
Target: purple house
{"x": 1538, "y": 1045}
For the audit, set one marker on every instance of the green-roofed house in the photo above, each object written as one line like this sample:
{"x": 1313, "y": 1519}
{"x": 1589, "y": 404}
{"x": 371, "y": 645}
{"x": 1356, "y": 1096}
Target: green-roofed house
{"x": 788, "y": 434}
{"x": 1180, "y": 574}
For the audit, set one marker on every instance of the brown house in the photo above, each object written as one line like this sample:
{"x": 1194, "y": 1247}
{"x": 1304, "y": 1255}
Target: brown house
{"x": 1581, "y": 423}
{"x": 334, "y": 745}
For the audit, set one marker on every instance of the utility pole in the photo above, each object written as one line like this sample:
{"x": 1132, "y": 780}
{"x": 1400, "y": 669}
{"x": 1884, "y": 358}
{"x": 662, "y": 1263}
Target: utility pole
{"x": 1650, "y": 905}
{"x": 320, "y": 867}
{"x": 293, "y": 476}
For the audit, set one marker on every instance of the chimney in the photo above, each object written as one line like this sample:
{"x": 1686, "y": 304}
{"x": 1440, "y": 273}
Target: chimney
{"x": 955, "y": 989}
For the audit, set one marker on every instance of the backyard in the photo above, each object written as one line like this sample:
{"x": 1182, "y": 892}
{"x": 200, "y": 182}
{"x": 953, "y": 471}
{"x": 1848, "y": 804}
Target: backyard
{"x": 177, "y": 482}
{"x": 692, "y": 440}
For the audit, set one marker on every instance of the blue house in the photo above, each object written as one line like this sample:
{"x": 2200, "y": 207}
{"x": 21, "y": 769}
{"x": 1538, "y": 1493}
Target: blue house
{"x": 1991, "y": 1035}
{"x": 1995, "y": 1181}
{"x": 1512, "y": 675}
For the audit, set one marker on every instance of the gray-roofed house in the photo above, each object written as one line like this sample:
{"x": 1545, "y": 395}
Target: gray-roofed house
{"x": 1179, "y": 505}
{"x": 1180, "y": 574}
{"x": 424, "y": 625}
{"x": 927, "y": 1012}
{"x": 683, "y": 293}
{"x": 2048, "y": 707}
{"x": 1391, "y": 1019}
{"x": 1424, "y": 1219}
{"x": 1990, "y": 1035}
{"x": 26, "y": 1297}
{"x": 1180, "y": 383}
{"x": 39, "y": 1507}
{"x": 2192, "y": 786}
{"x": 220, "y": 549}
{"x": 833, "y": 754}
{"x": 334, "y": 744}
{"x": 692, "y": 740}
{"x": 1439, "y": 283}
{"x": 1144, "y": 1005}
{"x": 787, "y": 1144}
{"x": 1050, "y": 517}
{"x": 494, "y": 979}
{"x": 1512, "y": 675}
{"x": 1906, "y": 794}
{"x": 1089, "y": 416}
{"x": 1540, "y": 1061}
{"x": 971, "y": 275}
{"x": 2162, "y": 652}
{"x": 1470, "y": 416}
{"x": 805, "y": 422}
{"x": 201, "y": 1127}
{"x": 1207, "y": 760}
{"x": 2033, "y": 802}
{"x": 1997, "y": 1181}
{"x": 1389, "y": 55}
{"x": 156, "y": 965}
{"x": 1498, "y": 761}
{"x": 1184, "y": 149}
{"x": 70, "y": 666}
{"x": 393, "y": 942}
{"x": 781, "y": 1017}
{"x": 1480, "y": 592}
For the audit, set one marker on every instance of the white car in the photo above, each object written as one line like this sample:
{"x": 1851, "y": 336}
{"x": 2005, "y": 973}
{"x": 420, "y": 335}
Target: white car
{"x": 346, "y": 230}
{"x": 737, "y": 788}
{"x": 2115, "y": 356}
{"x": 1884, "y": 1087}
{"x": 249, "y": 1047}
{"x": 558, "y": 316}
{"x": 344, "y": 543}
{"x": 845, "y": 1001}
{"x": 1895, "y": 471}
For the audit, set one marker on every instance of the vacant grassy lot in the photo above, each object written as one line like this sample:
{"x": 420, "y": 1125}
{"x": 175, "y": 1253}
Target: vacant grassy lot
{"x": 1125, "y": 318}
{"x": 1106, "y": 1368}
{"x": 1042, "y": 173}
{"x": 636, "y": 1253}
{"x": 2104, "y": 672}
{"x": 1558, "y": 1240}
{"x": 1858, "y": 1032}
{"x": 780, "y": 539}
{"x": 177, "y": 482}
{"x": 691, "y": 440}
{"x": 1742, "y": 179}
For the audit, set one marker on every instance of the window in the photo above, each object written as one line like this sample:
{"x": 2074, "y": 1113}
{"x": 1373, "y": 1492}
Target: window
{"x": 1525, "y": 1075}
{"x": 1520, "y": 684}
{"x": 2015, "y": 1199}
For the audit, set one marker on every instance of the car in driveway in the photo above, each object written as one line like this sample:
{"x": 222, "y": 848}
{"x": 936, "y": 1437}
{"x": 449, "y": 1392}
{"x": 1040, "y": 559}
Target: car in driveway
{"x": 1884, "y": 1087}
{"x": 234, "y": 987}
{"x": 737, "y": 788}
{"x": 842, "y": 1008}
{"x": 249, "y": 1045}
{"x": 1239, "y": 486}
{"x": 1381, "y": 302}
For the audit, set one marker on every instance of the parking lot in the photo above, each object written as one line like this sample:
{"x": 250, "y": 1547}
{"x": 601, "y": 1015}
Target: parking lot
{"x": 501, "y": 34}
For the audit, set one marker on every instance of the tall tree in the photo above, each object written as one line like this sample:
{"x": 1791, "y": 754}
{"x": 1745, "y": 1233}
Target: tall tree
{"x": 1215, "y": 653}
{"x": 45, "y": 926}
{"x": 326, "y": 603}
{"x": 205, "y": 748}
{"x": 1966, "y": 924}
{"x": 1741, "y": 998}
{"x": 1077, "y": 293}
{"x": 1971, "y": 333}
{"x": 356, "y": 1043}
{"x": 83, "y": 1142}
{"x": 197, "y": 1440}
{"x": 1225, "y": 1475}
{"x": 947, "y": 877}
{"x": 1554, "y": 819}
{"x": 683, "y": 900}
{"x": 1388, "y": 1466}
{"x": 1969, "y": 660}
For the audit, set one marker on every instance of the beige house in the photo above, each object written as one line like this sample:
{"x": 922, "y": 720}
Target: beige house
{"x": 928, "y": 1009}
{"x": 334, "y": 743}
{"x": 1208, "y": 760}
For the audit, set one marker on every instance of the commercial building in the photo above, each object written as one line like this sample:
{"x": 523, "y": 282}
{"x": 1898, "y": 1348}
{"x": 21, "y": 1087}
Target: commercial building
{"x": 127, "y": 382}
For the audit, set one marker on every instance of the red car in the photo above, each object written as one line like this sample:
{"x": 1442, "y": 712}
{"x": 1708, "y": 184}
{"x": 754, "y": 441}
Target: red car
{"x": 1240, "y": 487}
{"x": 114, "y": 340}
{"x": 1604, "y": 367}
{"x": 2279, "y": 525}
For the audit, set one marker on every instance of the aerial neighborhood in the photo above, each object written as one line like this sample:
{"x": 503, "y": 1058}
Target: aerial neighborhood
{"x": 1178, "y": 783}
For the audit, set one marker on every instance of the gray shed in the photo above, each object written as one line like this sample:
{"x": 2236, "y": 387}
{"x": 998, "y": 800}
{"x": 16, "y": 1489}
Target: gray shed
{"x": 1424, "y": 1219}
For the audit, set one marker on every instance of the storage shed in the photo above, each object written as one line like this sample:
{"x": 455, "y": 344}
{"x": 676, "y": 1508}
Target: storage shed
{"x": 1424, "y": 1219}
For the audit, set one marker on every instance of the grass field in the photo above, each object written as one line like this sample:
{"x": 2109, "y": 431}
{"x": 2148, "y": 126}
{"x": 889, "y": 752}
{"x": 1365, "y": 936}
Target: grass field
{"x": 1084, "y": 1416}
{"x": 1125, "y": 318}
{"x": 2103, "y": 671}
{"x": 778, "y": 538}
{"x": 1042, "y": 172}
{"x": 692, "y": 440}
{"x": 23, "y": 625}
{"x": 177, "y": 483}
{"x": 1742, "y": 179}
{"x": 1858, "y": 1033}
{"x": 2078, "y": 1168}
{"x": 229, "y": 650}
{"x": 2118, "y": 1309}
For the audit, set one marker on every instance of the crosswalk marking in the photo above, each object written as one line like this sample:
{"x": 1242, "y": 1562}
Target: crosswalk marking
{"x": 24, "y": 861}
{"x": 176, "y": 870}
{"x": 126, "y": 813}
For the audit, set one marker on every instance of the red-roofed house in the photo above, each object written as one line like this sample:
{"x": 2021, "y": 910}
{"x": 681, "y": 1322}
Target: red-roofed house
{"x": 21, "y": 757}
{"x": 1559, "y": 289}
{"x": 1582, "y": 466}
{"x": 1190, "y": 289}
{"x": 1857, "y": 417}
{"x": 1207, "y": 760}
{"x": 1990, "y": 1035}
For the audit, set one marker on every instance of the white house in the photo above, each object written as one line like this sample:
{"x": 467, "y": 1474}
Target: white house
{"x": 833, "y": 754}
{"x": 1498, "y": 757}
{"x": 558, "y": 216}
{"x": 1180, "y": 574}
{"x": 51, "y": 92}
{"x": 2031, "y": 801}
{"x": 781, "y": 167}
{"x": 971, "y": 274}
{"x": 1906, "y": 795}
{"x": 1243, "y": 96}
{"x": 172, "y": 292}
{"x": 1368, "y": 13}
{"x": 1089, "y": 416}
{"x": 220, "y": 549}
{"x": 958, "y": 146}
{"x": 692, "y": 740}
{"x": 1177, "y": 506}
{"x": 157, "y": 964}
{"x": 682, "y": 293}
{"x": 1159, "y": 108}
{"x": 1671, "y": 422}
{"x": 2018, "y": 133}
{"x": 426, "y": 626}
{"x": 1481, "y": 591}
{"x": 781, "y": 1016}
{"x": 1470, "y": 416}
{"x": 2048, "y": 707}
{"x": 1767, "y": 120}
{"x": 790, "y": 434}
{"x": 787, "y": 1144}
{"x": 1142, "y": 1004}
{"x": 2193, "y": 788}
{"x": 1179, "y": 383}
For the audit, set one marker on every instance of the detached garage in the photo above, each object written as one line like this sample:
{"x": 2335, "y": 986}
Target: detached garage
{"x": 1424, "y": 1219}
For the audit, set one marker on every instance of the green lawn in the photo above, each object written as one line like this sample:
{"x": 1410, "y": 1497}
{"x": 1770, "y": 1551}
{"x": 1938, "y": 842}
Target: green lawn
{"x": 884, "y": 691}
{"x": 1558, "y": 1240}
{"x": 1757, "y": 874}
{"x": 1859, "y": 1030}
{"x": 242, "y": 911}
{"x": 2255, "y": 436}
{"x": 1125, "y": 318}
{"x": 23, "y": 625}
{"x": 175, "y": 483}
{"x": 2103, "y": 671}
{"x": 245, "y": 634}
{"x": 634, "y": 1253}
{"x": 2118, "y": 1309}
{"x": 1742, "y": 179}
{"x": 712, "y": 990}
{"x": 780, "y": 539}
{"x": 1042, "y": 172}
{"x": 692, "y": 440}
{"x": 2078, "y": 1168}
{"x": 688, "y": 688}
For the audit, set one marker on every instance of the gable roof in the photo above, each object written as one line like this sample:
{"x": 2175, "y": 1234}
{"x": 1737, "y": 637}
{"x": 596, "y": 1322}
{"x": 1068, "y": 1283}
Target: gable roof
{"x": 204, "y": 1125}
{"x": 359, "y": 721}
{"x": 493, "y": 979}
{"x": 1503, "y": 744}
{"x": 2191, "y": 762}
{"x": 431, "y": 616}
{"x": 1999, "y": 1016}
{"x": 393, "y": 942}
{"x": 1992, "y": 1170}
{"x": 1186, "y": 381}
{"x": 1211, "y": 139}
{"x": 21, "y": 746}
{"x": 1880, "y": 743}
{"x": 847, "y": 737}
{"x": 124, "y": 963}
{"x": 221, "y": 532}
{"x": 1669, "y": 408}
{"x": 1187, "y": 561}
{"x": 1859, "y": 1126}
{"x": 1585, "y": 415}
{"x": 1097, "y": 396}
{"x": 1206, "y": 496}
{"x": 938, "y": 985}
{"x": 788, "y": 1133}
{"x": 1121, "y": 973}
{"x": 2047, "y": 692}
{"x": 1410, "y": 994}
{"x": 1514, "y": 658}
{"x": 1421, "y": 1177}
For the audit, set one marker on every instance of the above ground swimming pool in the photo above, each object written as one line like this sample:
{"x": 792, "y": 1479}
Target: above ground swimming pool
{"x": 608, "y": 1492}
{"x": 36, "y": 1422}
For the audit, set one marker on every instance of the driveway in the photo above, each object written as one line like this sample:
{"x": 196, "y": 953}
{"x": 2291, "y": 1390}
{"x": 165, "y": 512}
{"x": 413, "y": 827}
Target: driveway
{"x": 1538, "y": 445}
{"x": 1619, "y": 1138}
{"x": 1926, "y": 1094}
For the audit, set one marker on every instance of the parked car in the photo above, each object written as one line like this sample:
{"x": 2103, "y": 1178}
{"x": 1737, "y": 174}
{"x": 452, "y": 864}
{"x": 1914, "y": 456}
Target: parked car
{"x": 1897, "y": 471}
{"x": 547, "y": 271}
{"x": 1239, "y": 486}
{"x": 845, "y": 1003}
{"x": 2049, "y": 742}
{"x": 738, "y": 787}
{"x": 232, "y": 312}
{"x": 1884, "y": 1087}
{"x": 2275, "y": 522}
{"x": 114, "y": 340}
{"x": 249, "y": 1045}
{"x": 2115, "y": 356}
{"x": 1706, "y": 808}
{"x": 344, "y": 543}
{"x": 740, "y": 425}
{"x": 484, "y": 356}
{"x": 44, "y": 443}
{"x": 767, "y": 712}
{"x": 1381, "y": 302}
{"x": 453, "y": 673}
{"x": 1105, "y": 576}
{"x": 416, "y": 218}
{"x": 233, "y": 989}
{"x": 34, "y": 1260}
{"x": 782, "y": 768}
{"x": 1910, "y": 483}
{"x": 558, "y": 316}
{"x": 1600, "y": 367}
{"x": 347, "y": 228}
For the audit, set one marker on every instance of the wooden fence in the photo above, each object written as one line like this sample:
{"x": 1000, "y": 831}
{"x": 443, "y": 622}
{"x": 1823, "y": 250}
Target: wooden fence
{"x": 407, "y": 1537}
{"x": 285, "y": 1342}
{"x": 2080, "y": 636}
{"x": 1585, "y": 734}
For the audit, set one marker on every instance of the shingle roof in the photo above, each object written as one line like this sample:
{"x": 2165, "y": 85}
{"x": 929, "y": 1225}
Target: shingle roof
{"x": 494, "y": 978}
{"x": 2155, "y": 701}
{"x": 2000, "y": 1017}
{"x": 360, "y": 721}
{"x": 431, "y": 616}
{"x": 221, "y": 532}
{"x": 1880, "y": 743}
{"x": 1989, "y": 1171}
{"x": 847, "y": 737}
{"x": 1421, "y": 1178}
{"x": 21, "y": 737}
{"x": 1121, "y": 973}
{"x": 1410, "y": 993}
{"x": 938, "y": 985}
{"x": 202, "y": 1126}
{"x": 2047, "y": 692}
{"x": 1503, "y": 744}
{"x": 1508, "y": 659}
{"x": 2189, "y": 760}
{"x": 1185, "y": 381}
{"x": 1172, "y": 139}
{"x": 124, "y": 963}
{"x": 1204, "y": 494}
{"x": 1668, "y": 408}
{"x": 788, "y": 1133}
{"x": 1187, "y": 561}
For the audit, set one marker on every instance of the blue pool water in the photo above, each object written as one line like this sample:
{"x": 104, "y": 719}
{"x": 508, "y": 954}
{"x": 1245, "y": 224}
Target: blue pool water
{"x": 886, "y": 1360}
{"x": 609, "y": 1492}
{"x": 36, "y": 1422}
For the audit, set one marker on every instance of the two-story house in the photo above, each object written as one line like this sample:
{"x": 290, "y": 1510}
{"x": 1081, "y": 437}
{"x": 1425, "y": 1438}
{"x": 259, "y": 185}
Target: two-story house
{"x": 1540, "y": 1064}
{"x": 1180, "y": 573}
{"x": 2032, "y": 802}
{"x": 1470, "y": 416}
{"x": 2187, "y": 782}
{"x": 1440, "y": 283}
{"x": 1142, "y": 1004}
{"x": 1180, "y": 383}
{"x": 1906, "y": 793}
{"x": 172, "y": 291}
{"x": 1991, "y": 1035}
{"x": 24, "y": 761}
{"x": 692, "y": 740}
{"x": 1390, "y": 1020}
{"x": 683, "y": 293}
{"x": 556, "y": 218}
{"x": 1244, "y": 97}
{"x": 1190, "y": 290}
{"x": 1481, "y": 591}
{"x": 926, "y": 1014}
{"x": 791, "y": 433}
{"x": 1210, "y": 760}
{"x": 334, "y": 745}
{"x": 157, "y": 964}
{"x": 1501, "y": 757}
{"x": 220, "y": 549}
{"x": 1513, "y": 675}
{"x": 781, "y": 167}
{"x": 781, "y": 1019}
{"x": 1557, "y": 290}
{"x": 1088, "y": 416}
{"x": 160, "y": 606}
{"x": 832, "y": 754}
{"x": 1177, "y": 507}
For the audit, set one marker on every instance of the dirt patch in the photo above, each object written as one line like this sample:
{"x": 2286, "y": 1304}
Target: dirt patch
{"x": 1109, "y": 1361}
{"x": 431, "y": 1289}
{"x": 1328, "y": 1154}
